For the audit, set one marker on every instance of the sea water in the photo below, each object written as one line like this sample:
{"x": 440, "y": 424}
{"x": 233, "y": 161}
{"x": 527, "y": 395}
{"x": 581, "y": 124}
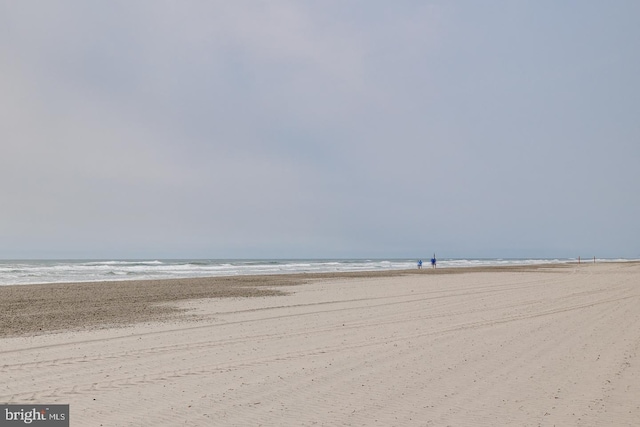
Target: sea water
{"x": 24, "y": 272}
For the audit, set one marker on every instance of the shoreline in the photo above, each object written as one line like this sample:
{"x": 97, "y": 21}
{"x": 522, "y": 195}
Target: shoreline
{"x": 518, "y": 346}
{"x": 57, "y": 307}
{"x": 27, "y": 272}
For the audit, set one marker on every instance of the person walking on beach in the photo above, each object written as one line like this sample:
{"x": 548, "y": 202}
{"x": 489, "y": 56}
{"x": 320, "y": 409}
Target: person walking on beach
{"x": 433, "y": 261}
{"x": 419, "y": 264}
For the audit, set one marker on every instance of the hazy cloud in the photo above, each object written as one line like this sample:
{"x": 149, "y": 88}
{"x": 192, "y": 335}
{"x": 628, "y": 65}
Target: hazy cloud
{"x": 318, "y": 129}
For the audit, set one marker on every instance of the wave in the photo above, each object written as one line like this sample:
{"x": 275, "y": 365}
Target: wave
{"x": 110, "y": 263}
{"x": 47, "y": 271}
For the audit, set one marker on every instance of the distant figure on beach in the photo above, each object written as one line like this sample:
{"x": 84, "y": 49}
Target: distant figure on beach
{"x": 419, "y": 264}
{"x": 433, "y": 261}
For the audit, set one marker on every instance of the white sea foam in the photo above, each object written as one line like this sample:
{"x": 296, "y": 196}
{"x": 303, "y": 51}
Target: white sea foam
{"x": 56, "y": 271}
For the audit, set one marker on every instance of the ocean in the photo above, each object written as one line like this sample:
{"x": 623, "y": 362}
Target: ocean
{"x": 24, "y": 272}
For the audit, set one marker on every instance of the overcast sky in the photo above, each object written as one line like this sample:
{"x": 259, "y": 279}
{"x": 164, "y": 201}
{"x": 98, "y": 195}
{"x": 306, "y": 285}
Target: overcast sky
{"x": 279, "y": 129}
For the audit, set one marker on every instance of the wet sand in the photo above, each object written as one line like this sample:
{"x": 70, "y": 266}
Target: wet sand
{"x": 34, "y": 309}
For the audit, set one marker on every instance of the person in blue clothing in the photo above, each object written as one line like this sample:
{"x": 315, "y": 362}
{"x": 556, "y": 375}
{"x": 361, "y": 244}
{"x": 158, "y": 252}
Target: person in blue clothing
{"x": 419, "y": 264}
{"x": 433, "y": 261}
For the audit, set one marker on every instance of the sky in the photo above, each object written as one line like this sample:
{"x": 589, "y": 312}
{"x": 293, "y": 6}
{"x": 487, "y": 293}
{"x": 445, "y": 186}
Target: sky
{"x": 319, "y": 129}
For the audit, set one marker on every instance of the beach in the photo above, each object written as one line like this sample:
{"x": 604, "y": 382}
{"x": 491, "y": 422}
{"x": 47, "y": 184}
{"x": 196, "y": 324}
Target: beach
{"x": 524, "y": 346}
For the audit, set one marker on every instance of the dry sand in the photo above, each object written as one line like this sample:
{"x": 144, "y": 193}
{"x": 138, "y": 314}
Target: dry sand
{"x": 516, "y": 346}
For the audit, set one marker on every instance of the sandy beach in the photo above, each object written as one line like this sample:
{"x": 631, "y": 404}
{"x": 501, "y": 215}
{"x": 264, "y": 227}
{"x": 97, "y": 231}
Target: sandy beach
{"x": 525, "y": 346}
